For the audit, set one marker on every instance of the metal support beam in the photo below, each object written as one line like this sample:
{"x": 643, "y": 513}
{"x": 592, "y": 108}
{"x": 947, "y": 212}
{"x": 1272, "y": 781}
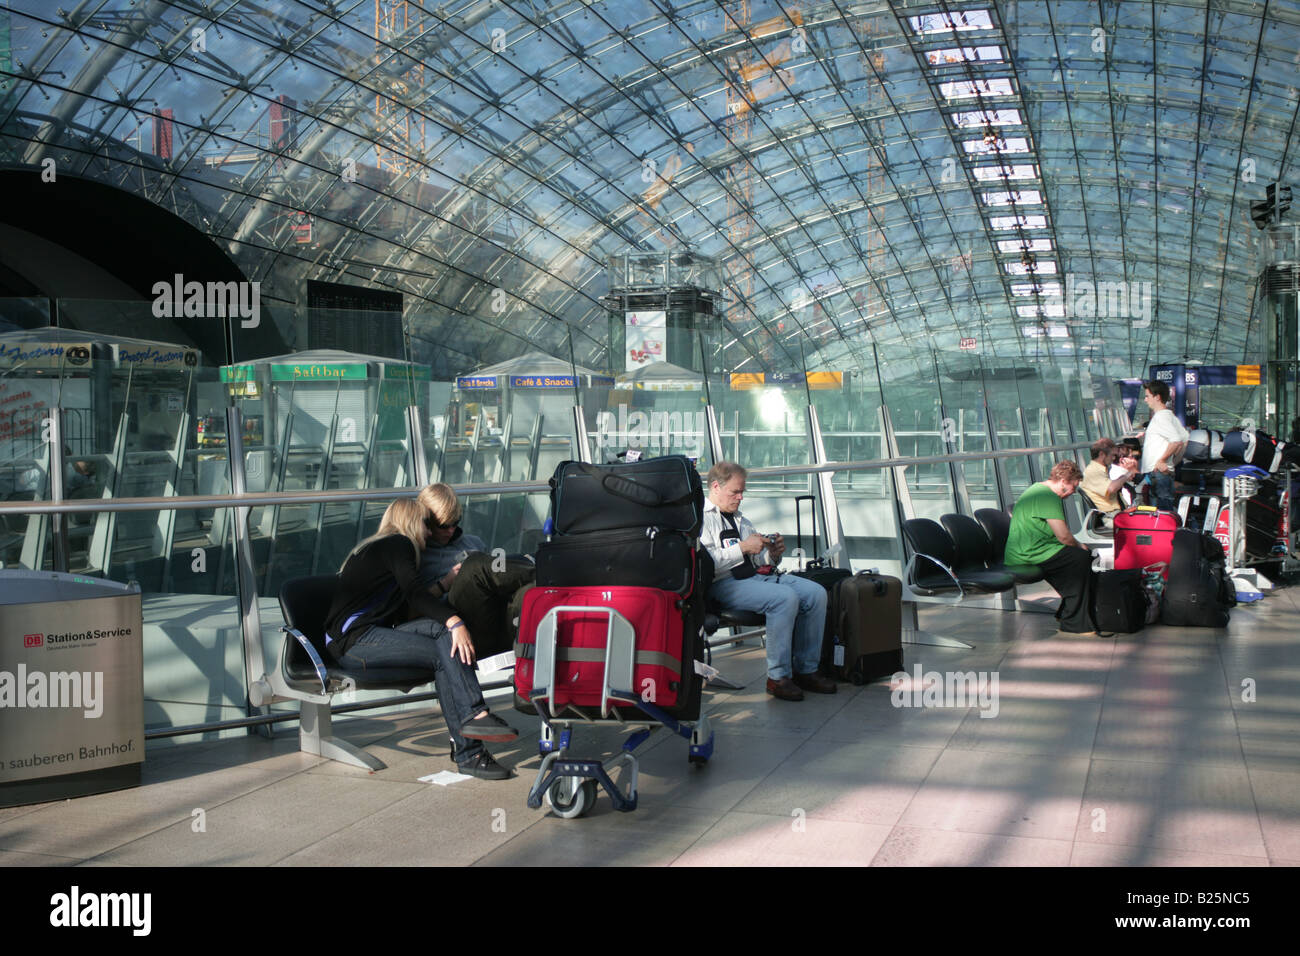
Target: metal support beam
{"x": 246, "y": 577}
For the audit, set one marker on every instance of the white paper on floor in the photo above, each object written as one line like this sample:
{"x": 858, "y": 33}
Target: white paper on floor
{"x": 444, "y": 777}
{"x": 496, "y": 662}
{"x": 705, "y": 671}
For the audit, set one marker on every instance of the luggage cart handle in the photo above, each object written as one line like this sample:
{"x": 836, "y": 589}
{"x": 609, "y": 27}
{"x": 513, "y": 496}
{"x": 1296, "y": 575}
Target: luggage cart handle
{"x": 620, "y": 653}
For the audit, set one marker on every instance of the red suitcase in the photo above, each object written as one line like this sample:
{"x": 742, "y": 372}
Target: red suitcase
{"x": 1143, "y": 537}
{"x": 581, "y": 636}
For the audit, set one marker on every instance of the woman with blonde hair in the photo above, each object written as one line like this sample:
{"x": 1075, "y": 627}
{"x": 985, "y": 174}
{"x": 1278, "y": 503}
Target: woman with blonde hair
{"x": 378, "y": 585}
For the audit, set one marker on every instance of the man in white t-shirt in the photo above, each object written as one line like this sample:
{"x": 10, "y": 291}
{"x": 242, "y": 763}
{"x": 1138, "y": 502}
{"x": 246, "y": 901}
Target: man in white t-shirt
{"x": 1163, "y": 444}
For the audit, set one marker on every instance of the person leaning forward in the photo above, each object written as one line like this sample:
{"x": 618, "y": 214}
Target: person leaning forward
{"x": 1098, "y": 484}
{"x": 1040, "y": 536}
{"x": 456, "y": 567}
{"x": 745, "y": 578}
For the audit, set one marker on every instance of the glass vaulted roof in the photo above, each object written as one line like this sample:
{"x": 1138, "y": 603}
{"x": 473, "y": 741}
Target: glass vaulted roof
{"x": 891, "y": 175}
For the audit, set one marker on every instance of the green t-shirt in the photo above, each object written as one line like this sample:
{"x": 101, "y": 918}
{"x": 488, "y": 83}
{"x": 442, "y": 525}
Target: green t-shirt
{"x": 1031, "y": 540}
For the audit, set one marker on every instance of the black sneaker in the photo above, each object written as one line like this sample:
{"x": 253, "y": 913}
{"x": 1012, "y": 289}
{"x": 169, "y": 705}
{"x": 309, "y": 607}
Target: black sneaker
{"x": 489, "y": 727}
{"x": 485, "y": 767}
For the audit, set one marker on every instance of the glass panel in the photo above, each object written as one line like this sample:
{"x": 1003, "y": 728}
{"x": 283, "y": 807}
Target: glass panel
{"x": 1005, "y": 410}
{"x": 963, "y": 399}
{"x": 851, "y": 431}
{"x": 914, "y": 411}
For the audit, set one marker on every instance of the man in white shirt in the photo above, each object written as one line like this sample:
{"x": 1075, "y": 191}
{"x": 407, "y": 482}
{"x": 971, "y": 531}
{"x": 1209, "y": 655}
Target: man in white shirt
{"x": 745, "y": 578}
{"x": 1163, "y": 443}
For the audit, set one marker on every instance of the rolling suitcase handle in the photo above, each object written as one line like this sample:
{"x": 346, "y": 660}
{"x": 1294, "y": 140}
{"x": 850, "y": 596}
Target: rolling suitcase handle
{"x": 620, "y": 654}
{"x": 798, "y": 529}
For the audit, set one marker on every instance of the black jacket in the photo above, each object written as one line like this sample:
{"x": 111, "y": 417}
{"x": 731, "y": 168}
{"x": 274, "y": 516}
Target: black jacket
{"x": 385, "y": 569}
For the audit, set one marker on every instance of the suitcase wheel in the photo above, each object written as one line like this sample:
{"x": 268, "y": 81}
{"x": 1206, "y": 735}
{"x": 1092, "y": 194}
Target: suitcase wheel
{"x": 570, "y": 797}
{"x": 698, "y": 760}
{"x": 856, "y": 678}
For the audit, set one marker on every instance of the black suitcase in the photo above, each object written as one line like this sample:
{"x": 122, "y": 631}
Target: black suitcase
{"x": 1199, "y": 591}
{"x": 816, "y": 571}
{"x": 868, "y": 640}
{"x": 664, "y": 493}
{"x": 644, "y": 557}
{"x": 1120, "y": 603}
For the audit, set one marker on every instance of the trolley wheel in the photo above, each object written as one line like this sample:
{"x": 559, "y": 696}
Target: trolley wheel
{"x": 569, "y": 798}
{"x": 698, "y": 760}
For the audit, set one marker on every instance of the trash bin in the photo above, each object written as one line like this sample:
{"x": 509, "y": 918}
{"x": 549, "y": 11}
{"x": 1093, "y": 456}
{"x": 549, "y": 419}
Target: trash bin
{"x": 71, "y": 686}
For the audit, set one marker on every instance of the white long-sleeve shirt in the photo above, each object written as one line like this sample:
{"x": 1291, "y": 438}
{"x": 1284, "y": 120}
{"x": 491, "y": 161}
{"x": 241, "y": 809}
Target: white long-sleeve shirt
{"x": 726, "y": 557}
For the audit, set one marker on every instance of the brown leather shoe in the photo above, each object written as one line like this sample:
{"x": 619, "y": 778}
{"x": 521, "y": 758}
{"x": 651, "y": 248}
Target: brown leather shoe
{"x": 816, "y": 683}
{"x": 784, "y": 689}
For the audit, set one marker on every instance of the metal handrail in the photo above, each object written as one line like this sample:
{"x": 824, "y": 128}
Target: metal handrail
{"x": 260, "y": 498}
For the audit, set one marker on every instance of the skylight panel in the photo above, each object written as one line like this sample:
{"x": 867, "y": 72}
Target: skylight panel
{"x": 1024, "y": 245}
{"x": 1051, "y": 331}
{"x": 1050, "y": 311}
{"x": 1018, "y": 222}
{"x": 964, "y": 89}
{"x": 993, "y": 174}
{"x": 1019, "y": 197}
{"x": 1044, "y": 268}
{"x": 996, "y": 145}
{"x": 964, "y": 54}
{"x": 956, "y": 21}
{"x": 1045, "y": 289}
{"x": 978, "y": 119}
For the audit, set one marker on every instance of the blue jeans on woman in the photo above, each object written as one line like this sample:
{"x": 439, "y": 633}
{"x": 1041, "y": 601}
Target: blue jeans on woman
{"x": 795, "y": 609}
{"x": 426, "y": 643}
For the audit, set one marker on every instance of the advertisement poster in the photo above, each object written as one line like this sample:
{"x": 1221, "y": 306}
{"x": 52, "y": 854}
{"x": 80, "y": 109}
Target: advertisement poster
{"x": 646, "y": 334}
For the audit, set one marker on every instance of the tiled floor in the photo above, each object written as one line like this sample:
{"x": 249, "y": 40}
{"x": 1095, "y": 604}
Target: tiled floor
{"x": 1173, "y": 747}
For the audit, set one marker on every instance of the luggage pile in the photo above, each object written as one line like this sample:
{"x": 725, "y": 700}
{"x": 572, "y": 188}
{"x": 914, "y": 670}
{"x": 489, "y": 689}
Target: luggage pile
{"x": 614, "y": 626}
{"x": 1163, "y": 572}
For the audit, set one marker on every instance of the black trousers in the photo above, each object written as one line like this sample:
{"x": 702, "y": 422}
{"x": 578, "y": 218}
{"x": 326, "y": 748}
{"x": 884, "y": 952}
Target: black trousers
{"x": 482, "y": 595}
{"x": 1070, "y": 572}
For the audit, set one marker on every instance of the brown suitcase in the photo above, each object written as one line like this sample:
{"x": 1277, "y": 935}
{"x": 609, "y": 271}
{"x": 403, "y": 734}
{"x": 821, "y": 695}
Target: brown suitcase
{"x": 869, "y": 631}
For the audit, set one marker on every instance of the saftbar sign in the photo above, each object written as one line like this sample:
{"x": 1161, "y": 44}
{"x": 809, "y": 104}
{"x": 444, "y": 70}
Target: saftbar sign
{"x": 71, "y": 676}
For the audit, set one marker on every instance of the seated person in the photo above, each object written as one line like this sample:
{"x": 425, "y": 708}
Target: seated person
{"x": 78, "y": 475}
{"x": 1100, "y": 483}
{"x": 1126, "y": 464}
{"x": 1040, "y": 536}
{"x": 366, "y": 627}
{"x": 457, "y": 567}
{"x": 745, "y": 578}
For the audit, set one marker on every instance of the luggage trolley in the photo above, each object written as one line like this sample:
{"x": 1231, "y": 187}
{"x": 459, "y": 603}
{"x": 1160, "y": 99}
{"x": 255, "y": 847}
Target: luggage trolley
{"x": 569, "y": 784}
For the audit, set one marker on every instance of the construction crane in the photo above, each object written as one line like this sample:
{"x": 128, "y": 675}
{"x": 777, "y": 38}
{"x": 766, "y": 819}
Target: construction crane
{"x": 401, "y": 131}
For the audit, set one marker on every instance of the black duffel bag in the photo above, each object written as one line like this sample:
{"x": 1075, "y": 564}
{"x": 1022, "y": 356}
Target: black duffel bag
{"x": 664, "y": 493}
{"x": 636, "y": 557}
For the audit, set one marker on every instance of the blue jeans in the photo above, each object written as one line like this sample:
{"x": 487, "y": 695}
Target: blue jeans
{"x": 1162, "y": 490}
{"x": 426, "y": 643}
{"x": 795, "y": 609}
